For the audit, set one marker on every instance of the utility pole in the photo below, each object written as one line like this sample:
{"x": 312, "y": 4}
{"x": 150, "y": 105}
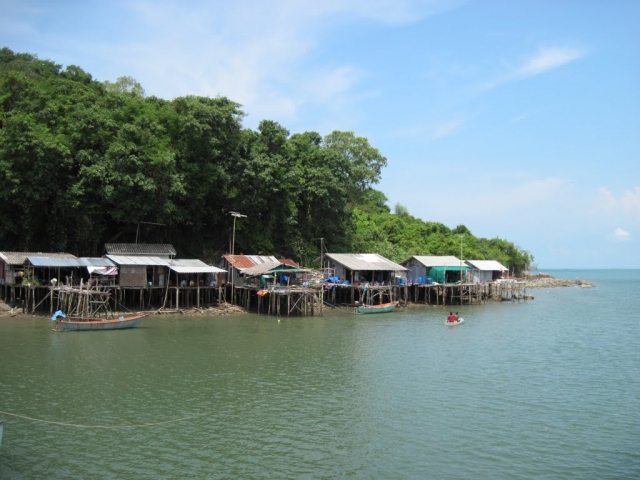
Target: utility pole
{"x": 461, "y": 236}
{"x": 233, "y": 247}
{"x": 233, "y": 241}
{"x": 322, "y": 258}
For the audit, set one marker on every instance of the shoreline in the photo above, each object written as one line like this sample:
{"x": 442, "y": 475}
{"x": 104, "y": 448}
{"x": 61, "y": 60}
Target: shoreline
{"x": 544, "y": 280}
{"x": 540, "y": 280}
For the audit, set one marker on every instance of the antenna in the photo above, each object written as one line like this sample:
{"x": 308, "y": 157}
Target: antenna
{"x": 146, "y": 223}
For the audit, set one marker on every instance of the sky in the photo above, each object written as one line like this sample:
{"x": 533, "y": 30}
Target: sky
{"x": 519, "y": 120}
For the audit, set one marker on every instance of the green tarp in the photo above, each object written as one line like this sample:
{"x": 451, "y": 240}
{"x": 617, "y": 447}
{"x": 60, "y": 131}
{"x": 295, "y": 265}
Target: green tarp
{"x": 446, "y": 274}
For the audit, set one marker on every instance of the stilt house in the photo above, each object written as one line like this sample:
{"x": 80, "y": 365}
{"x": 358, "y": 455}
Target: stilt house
{"x": 357, "y": 268}
{"x": 484, "y": 271}
{"x": 141, "y": 264}
{"x": 438, "y": 269}
{"x": 13, "y": 264}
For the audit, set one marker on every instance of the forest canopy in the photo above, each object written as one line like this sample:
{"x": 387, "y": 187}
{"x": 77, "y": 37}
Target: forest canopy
{"x": 84, "y": 163}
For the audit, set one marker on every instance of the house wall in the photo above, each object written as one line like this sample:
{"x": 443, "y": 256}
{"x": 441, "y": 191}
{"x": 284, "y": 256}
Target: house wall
{"x": 133, "y": 276}
{"x": 481, "y": 276}
{"x": 9, "y": 275}
{"x": 416, "y": 270}
{"x": 339, "y": 271}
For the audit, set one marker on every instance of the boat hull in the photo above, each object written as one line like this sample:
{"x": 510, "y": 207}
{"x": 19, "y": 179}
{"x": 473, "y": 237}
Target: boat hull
{"x": 71, "y": 324}
{"x": 382, "y": 308}
{"x": 453, "y": 324}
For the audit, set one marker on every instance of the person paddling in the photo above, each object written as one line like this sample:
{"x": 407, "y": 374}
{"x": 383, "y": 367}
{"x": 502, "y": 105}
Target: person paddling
{"x": 451, "y": 318}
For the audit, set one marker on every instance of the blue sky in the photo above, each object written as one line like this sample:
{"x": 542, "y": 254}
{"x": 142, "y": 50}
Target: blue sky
{"x": 520, "y": 120}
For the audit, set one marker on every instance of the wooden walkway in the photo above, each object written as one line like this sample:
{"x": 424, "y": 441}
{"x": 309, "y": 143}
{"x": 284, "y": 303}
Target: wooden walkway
{"x": 281, "y": 301}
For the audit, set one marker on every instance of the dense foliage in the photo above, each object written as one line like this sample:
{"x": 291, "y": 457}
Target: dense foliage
{"x": 83, "y": 163}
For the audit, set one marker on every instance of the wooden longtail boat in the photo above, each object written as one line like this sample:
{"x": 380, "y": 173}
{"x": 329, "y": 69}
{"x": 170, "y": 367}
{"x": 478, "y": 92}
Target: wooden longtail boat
{"x": 382, "y": 308}
{"x": 88, "y": 309}
{"x": 89, "y": 324}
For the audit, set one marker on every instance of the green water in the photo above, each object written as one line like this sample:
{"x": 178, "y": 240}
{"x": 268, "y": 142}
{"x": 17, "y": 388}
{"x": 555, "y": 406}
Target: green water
{"x": 548, "y": 388}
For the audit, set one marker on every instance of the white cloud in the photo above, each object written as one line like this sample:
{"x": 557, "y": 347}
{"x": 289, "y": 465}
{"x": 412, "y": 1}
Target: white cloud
{"x": 547, "y": 59}
{"x": 630, "y": 201}
{"x": 620, "y": 235}
{"x": 626, "y": 205}
{"x": 431, "y": 132}
{"x": 257, "y": 53}
{"x": 494, "y": 198}
{"x": 267, "y": 56}
{"x": 448, "y": 128}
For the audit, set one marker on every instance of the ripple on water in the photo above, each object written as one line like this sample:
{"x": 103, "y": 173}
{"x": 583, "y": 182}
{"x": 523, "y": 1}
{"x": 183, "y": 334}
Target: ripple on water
{"x": 542, "y": 389}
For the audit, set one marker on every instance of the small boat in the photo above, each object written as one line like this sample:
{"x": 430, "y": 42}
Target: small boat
{"x": 382, "y": 308}
{"x": 453, "y": 324}
{"x": 75, "y": 323}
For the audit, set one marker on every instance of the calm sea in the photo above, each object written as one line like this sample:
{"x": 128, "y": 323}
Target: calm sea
{"x": 548, "y": 388}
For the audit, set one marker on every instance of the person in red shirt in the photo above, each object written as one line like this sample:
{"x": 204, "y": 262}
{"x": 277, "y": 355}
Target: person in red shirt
{"x": 451, "y": 317}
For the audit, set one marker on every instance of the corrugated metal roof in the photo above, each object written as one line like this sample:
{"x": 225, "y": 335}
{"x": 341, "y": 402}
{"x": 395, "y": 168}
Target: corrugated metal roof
{"x": 247, "y": 261}
{"x": 96, "y": 262}
{"x": 288, "y": 261}
{"x": 260, "y": 269}
{"x": 138, "y": 260}
{"x": 365, "y": 262}
{"x": 70, "y": 262}
{"x": 18, "y": 258}
{"x": 148, "y": 249}
{"x": 193, "y": 266}
{"x": 487, "y": 265}
{"x": 437, "y": 260}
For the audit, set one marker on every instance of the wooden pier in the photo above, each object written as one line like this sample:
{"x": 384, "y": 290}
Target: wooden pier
{"x": 275, "y": 300}
{"x": 280, "y": 301}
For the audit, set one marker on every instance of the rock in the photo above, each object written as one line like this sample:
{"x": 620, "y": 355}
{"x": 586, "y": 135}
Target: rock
{"x": 544, "y": 280}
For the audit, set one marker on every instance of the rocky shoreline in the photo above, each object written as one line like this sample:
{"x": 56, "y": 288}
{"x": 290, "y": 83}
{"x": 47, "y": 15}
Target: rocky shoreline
{"x": 544, "y": 280}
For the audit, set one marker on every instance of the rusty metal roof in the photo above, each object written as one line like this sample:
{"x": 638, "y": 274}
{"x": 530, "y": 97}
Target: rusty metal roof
{"x": 288, "y": 261}
{"x": 148, "y": 249}
{"x": 18, "y": 258}
{"x": 247, "y": 261}
{"x": 365, "y": 262}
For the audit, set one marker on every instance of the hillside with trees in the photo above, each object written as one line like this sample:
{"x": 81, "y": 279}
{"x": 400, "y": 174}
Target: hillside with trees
{"x": 84, "y": 163}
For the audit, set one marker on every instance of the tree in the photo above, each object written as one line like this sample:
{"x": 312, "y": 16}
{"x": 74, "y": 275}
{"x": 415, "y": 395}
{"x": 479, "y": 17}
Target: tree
{"x": 124, "y": 84}
{"x": 363, "y": 164}
{"x": 401, "y": 209}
